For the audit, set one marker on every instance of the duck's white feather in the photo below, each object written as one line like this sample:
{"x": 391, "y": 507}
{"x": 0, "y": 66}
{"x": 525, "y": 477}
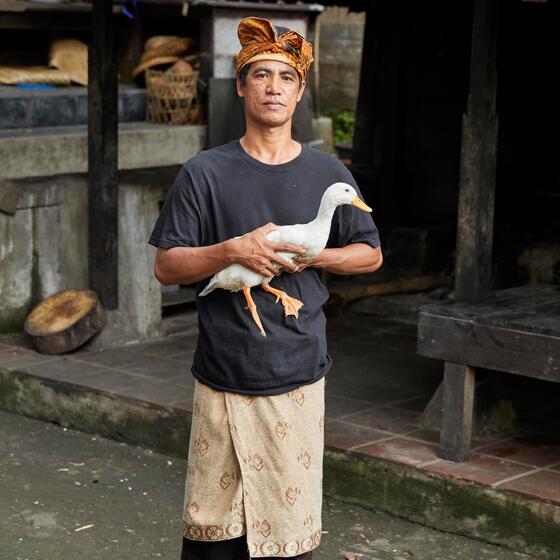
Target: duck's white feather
{"x": 312, "y": 236}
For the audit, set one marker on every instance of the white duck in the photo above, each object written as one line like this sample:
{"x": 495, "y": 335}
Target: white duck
{"x": 312, "y": 236}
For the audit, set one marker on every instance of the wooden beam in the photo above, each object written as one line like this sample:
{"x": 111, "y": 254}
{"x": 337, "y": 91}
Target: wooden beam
{"x": 457, "y": 412}
{"x": 103, "y": 157}
{"x": 478, "y": 161}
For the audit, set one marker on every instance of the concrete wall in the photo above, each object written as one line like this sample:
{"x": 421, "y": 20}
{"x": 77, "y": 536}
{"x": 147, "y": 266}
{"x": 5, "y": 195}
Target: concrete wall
{"x": 44, "y": 248}
{"x": 139, "y": 314}
{"x": 41, "y": 245}
{"x": 44, "y": 229}
{"x": 60, "y": 150}
{"x": 340, "y": 56}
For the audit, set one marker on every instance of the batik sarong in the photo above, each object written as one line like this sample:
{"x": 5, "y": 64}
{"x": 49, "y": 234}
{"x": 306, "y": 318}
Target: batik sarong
{"x": 255, "y": 467}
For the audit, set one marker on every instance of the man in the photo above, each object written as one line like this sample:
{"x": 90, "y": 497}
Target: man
{"x": 254, "y": 477}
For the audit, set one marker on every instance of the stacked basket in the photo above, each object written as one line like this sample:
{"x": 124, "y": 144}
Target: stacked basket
{"x": 171, "y": 97}
{"x": 171, "y": 92}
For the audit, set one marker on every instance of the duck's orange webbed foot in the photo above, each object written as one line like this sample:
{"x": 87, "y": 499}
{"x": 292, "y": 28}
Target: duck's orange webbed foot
{"x": 253, "y": 308}
{"x": 291, "y": 305}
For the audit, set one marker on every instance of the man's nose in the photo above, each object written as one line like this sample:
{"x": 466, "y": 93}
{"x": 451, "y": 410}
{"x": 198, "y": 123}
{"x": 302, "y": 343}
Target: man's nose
{"x": 274, "y": 85}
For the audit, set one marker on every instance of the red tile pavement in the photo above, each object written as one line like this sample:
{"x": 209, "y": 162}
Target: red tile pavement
{"x": 543, "y": 484}
{"x": 401, "y": 450}
{"x": 391, "y": 420}
{"x": 415, "y": 404}
{"x": 336, "y": 406}
{"x": 343, "y": 436}
{"x": 430, "y": 436}
{"x": 529, "y": 450}
{"x": 484, "y": 470}
{"x": 433, "y": 436}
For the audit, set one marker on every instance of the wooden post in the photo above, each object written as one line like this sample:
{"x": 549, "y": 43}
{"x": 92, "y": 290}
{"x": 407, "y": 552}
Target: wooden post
{"x": 103, "y": 157}
{"x": 478, "y": 161}
{"x": 378, "y": 131}
{"x": 457, "y": 412}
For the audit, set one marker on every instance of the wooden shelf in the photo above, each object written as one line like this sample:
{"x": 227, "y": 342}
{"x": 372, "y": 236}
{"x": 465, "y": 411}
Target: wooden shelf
{"x": 26, "y": 6}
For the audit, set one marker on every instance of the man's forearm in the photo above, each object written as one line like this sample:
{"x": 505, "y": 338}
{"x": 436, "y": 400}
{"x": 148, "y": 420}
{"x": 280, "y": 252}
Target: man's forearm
{"x": 356, "y": 258}
{"x": 187, "y": 265}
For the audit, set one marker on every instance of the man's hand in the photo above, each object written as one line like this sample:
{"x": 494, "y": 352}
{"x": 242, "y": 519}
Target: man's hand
{"x": 302, "y": 263}
{"x": 254, "y": 251}
{"x": 355, "y": 258}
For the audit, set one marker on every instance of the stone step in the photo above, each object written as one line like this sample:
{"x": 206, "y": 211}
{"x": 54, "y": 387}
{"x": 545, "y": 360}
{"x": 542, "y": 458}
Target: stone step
{"x": 47, "y": 151}
{"x": 62, "y": 106}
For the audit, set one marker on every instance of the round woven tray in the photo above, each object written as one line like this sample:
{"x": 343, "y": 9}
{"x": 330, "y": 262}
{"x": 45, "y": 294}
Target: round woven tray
{"x": 171, "y": 97}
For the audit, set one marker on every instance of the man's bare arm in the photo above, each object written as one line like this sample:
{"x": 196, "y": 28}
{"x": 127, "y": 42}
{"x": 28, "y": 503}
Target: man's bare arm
{"x": 187, "y": 265}
{"x": 355, "y": 258}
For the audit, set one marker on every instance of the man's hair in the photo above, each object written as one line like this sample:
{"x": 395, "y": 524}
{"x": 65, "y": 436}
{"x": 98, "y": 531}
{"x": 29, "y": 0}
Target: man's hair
{"x": 245, "y": 70}
{"x": 243, "y": 74}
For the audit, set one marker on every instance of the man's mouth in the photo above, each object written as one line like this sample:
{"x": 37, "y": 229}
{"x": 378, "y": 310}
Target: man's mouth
{"x": 274, "y": 104}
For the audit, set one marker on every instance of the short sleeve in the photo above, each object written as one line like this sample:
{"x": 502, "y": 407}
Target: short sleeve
{"x": 350, "y": 224}
{"x": 180, "y": 221}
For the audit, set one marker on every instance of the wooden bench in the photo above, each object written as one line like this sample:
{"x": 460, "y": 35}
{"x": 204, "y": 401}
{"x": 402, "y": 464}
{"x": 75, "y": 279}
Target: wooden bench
{"x": 515, "y": 330}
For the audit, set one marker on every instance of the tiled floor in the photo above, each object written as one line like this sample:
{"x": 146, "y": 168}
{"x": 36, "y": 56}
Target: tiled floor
{"x": 374, "y": 395}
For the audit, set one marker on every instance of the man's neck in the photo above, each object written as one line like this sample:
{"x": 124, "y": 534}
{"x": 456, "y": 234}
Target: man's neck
{"x": 270, "y": 145}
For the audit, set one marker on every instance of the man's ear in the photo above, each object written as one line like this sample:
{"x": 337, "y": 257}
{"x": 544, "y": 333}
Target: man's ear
{"x": 239, "y": 87}
{"x": 301, "y": 90}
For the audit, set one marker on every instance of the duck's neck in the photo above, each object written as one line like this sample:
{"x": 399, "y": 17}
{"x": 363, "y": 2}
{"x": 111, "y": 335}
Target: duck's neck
{"x": 325, "y": 214}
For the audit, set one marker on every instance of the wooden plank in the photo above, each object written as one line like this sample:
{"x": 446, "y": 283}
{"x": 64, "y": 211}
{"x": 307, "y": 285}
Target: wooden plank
{"x": 42, "y": 21}
{"x": 345, "y": 294}
{"x": 103, "y": 157}
{"x": 478, "y": 161}
{"x": 514, "y": 302}
{"x": 18, "y": 6}
{"x": 457, "y": 412}
{"x": 503, "y": 349}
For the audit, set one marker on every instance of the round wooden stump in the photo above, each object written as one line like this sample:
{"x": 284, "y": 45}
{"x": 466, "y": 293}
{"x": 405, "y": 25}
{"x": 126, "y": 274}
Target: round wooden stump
{"x": 64, "y": 321}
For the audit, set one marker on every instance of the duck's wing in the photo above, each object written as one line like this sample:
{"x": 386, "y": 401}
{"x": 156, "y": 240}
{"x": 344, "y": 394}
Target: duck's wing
{"x": 296, "y": 233}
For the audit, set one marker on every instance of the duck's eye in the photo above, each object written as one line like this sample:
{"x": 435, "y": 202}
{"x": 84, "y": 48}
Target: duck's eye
{"x": 346, "y": 190}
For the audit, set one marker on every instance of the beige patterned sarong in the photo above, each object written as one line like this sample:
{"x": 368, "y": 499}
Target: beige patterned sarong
{"x": 255, "y": 467}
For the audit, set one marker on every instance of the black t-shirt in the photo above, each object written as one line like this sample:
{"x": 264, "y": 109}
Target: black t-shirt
{"x": 222, "y": 193}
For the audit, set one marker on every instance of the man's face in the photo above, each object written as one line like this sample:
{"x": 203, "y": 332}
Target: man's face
{"x": 271, "y": 92}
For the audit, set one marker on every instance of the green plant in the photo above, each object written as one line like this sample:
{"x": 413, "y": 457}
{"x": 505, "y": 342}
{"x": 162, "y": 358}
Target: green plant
{"x": 343, "y": 124}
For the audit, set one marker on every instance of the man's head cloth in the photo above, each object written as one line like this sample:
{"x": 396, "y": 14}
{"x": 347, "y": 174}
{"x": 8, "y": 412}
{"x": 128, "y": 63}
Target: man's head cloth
{"x": 260, "y": 40}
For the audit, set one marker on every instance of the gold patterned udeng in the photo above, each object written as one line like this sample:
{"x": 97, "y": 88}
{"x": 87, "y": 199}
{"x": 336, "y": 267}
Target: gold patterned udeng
{"x": 259, "y": 41}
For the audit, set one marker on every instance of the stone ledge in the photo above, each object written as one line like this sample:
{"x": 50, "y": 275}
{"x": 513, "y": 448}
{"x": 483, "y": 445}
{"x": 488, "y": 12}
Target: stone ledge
{"x": 98, "y": 412}
{"x": 438, "y": 501}
{"x": 61, "y": 150}
{"x": 444, "y": 503}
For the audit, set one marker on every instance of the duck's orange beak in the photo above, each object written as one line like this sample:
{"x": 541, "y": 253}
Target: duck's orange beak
{"x": 359, "y": 203}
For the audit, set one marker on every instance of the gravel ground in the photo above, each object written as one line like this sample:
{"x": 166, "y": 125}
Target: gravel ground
{"x": 67, "y": 494}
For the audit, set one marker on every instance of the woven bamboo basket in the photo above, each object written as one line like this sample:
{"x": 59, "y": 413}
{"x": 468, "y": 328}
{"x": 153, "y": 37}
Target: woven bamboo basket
{"x": 171, "y": 97}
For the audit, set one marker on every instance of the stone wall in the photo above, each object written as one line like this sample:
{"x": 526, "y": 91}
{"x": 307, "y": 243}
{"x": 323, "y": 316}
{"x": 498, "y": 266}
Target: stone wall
{"x": 340, "y": 57}
{"x": 41, "y": 244}
{"x": 44, "y": 222}
{"x": 44, "y": 248}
